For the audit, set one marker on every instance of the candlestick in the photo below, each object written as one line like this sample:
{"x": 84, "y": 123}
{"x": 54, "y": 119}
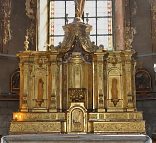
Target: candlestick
{"x": 26, "y": 42}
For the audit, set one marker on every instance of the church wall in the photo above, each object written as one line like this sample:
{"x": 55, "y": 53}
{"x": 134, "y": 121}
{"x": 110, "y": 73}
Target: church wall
{"x": 8, "y": 60}
{"x": 9, "y": 63}
{"x": 6, "y": 109}
{"x": 18, "y": 24}
{"x": 141, "y": 21}
{"x": 140, "y": 18}
{"x": 148, "y": 107}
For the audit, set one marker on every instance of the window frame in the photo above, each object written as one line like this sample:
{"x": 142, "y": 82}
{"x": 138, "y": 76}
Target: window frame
{"x": 84, "y": 17}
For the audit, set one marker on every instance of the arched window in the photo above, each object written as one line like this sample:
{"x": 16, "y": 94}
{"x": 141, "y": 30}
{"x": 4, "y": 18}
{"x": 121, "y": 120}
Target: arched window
{"x": 97, "y": 13}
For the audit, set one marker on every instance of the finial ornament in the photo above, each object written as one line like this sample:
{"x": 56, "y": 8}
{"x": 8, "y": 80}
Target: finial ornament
{"x": 66, "y": 18}
{"x": 26, "y": 42}
{"x": 87, "y": 19}
{"x": 79, "y": 8}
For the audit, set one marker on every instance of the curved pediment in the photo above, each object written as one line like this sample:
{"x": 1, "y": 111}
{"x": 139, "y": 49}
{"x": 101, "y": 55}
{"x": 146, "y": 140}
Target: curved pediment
{"x": 77, "y": 36}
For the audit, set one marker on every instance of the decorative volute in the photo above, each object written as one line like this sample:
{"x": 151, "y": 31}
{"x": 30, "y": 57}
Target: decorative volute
{"x": 77, "y": 32}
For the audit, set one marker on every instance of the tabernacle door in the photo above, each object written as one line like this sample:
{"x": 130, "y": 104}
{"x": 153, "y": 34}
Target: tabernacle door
{"x": 77, "y": 118}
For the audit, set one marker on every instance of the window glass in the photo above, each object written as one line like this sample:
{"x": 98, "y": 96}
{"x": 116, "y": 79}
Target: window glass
{"x": 90, "y": 8}
{"x": 98, "y": 12}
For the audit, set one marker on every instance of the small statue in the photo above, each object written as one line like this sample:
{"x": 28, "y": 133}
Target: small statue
{"x": 26, "y": 42}
{"x": 79, "y": 8}
{"x": 40, "y": 92}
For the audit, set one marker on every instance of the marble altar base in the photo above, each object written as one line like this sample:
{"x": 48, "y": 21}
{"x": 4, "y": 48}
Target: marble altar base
{"x": 74, "y": 138}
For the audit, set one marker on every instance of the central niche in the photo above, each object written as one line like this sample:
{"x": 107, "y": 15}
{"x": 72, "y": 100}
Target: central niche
{"x": 77, "y": 81}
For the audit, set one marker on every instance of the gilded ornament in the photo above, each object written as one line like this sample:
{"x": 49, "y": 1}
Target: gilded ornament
{"x": 77, "y": 88}
{"x": 79, "y": 8}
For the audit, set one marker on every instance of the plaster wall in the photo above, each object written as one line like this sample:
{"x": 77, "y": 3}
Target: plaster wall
{"x": 6, "y": 110}
{"x": 8, "y": 60}
{"x": 141, "y": 20}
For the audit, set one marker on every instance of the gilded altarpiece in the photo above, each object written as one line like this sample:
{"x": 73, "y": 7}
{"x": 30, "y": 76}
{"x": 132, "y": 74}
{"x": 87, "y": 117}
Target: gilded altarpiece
{"x": 77, "y": 87}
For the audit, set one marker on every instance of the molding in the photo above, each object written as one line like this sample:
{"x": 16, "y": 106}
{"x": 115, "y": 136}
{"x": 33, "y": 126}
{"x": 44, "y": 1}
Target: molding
{"x": 146, "y": 96}
{"x": 146, "y": 55}
{"x": 8, "y": 97}
{"x": 8, "y": 55}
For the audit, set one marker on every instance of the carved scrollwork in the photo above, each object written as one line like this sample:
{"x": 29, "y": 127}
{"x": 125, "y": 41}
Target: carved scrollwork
{"x": 42, "y": 61}
{"x": 77, "y": 94}
{"x": 113, "y": 60}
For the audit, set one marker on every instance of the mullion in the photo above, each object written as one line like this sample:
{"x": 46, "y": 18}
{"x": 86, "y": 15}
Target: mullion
{"x": 65, "y": 12}
{"x": 96, "y": 20}
{"x": 113, "y": 19}
{"x": 90, "y": 35}
{"x": 100, "y": 35}
{"x": 56, "y": 35}
{"x": 48, "y": 20}
{"x": 99, "y": 17}
{"x": 86, "y": 0}
{"x": 84, "y": 17}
